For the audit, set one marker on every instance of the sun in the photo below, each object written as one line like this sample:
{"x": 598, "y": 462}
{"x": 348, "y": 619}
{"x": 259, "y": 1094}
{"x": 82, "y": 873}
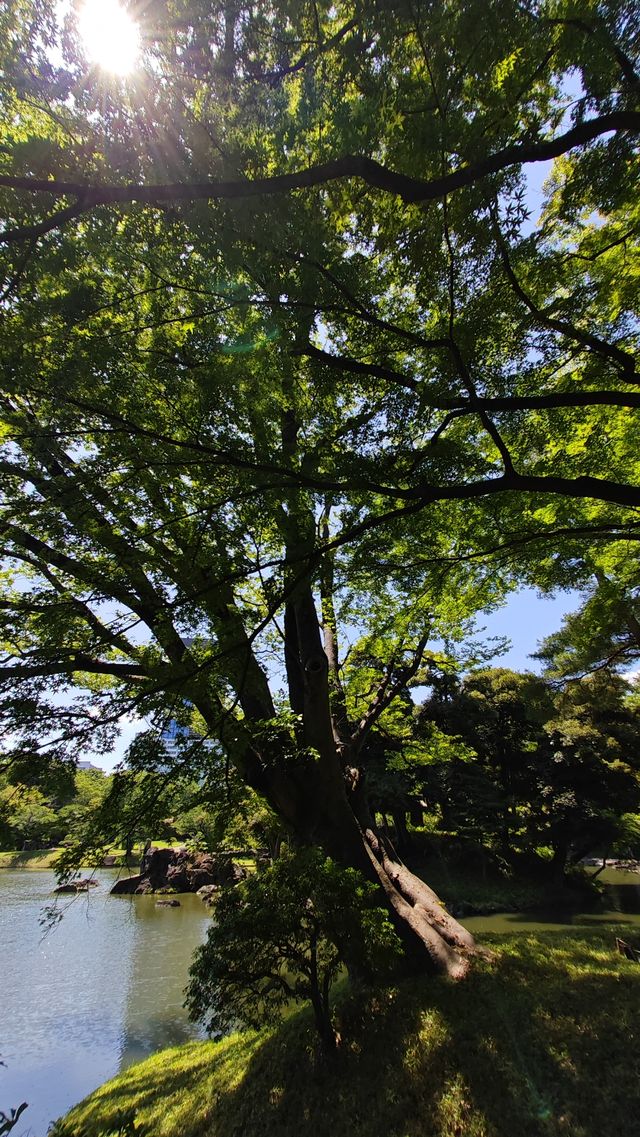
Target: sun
{"x": 109, "y": 36}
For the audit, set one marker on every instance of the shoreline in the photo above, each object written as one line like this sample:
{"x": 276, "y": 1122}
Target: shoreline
{"x": 568, "y": 1000}
{"x": 41, "y": 859}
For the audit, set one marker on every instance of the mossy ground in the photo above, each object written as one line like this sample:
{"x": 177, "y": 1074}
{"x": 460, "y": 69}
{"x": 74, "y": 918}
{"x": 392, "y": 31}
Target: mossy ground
{"x": 542, "y": 1041}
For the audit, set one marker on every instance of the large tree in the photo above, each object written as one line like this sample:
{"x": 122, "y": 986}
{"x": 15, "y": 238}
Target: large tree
{"x": 285, "y": 364}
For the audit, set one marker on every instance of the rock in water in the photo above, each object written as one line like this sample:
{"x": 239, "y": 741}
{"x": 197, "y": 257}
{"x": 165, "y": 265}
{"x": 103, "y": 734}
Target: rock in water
{"x": 77, "y": 885}
{"x": 208, "y": 893}
{"x": 178, "y": 870}
{"x": 126, "y": 885}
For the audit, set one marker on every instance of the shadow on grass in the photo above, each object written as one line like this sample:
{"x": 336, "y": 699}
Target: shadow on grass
{"x": 543, "y": 1042}
{"x": 33, "y": 858}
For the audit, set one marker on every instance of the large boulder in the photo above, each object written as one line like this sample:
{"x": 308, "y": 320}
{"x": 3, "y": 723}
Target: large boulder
{"x": 214, "y": 868}
{"x": 126, "y": 885}
{"x": 178, "y": 870}
{"x": 156, "y": 864}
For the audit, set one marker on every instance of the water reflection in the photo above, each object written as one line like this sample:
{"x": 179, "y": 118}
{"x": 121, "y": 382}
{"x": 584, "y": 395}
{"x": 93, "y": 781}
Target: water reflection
{"x": 102, "y": 990}
{"x": 619, "y": 904}
{"x": 163, "y": 942}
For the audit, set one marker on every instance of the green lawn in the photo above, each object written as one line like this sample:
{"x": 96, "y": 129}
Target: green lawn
{"x": 35, "y": 859}
{"x": 46, "y": 858}
{"x": 543, "y": 1041}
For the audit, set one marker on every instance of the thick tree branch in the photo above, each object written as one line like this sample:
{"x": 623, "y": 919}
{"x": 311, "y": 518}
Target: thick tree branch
{"x": 581, "y": 398}
{"x": 599, "y": 489}
{"x": 40, "y": 553}
{"x": 515, "y": 403}
{"x": 344, "y": 363}
{"x": 74, "y": 663}
{"x": 545, "y": 401}
{"x": 411, "y": 190}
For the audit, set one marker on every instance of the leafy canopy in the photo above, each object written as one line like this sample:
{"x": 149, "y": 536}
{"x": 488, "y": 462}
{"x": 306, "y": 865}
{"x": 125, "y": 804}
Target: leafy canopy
{"x": 282, "y": 348}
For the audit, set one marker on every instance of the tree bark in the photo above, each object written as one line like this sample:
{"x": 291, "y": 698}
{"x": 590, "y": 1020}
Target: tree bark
{"x": 324, "y": 801}
{"x": 314, "y": 785}
{"x": 433, "y": 940}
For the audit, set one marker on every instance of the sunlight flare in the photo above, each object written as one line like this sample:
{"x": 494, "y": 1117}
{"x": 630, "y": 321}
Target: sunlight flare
{"x": 109, "y": 36}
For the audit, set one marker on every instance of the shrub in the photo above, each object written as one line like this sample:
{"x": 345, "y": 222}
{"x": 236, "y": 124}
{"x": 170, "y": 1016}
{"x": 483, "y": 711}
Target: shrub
{"x": 282, "y": 936}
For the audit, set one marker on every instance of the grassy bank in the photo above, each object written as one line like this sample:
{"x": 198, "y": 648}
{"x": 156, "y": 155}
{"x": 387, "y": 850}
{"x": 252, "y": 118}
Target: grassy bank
{"x": 47, "y": 858}
{"x": 35, "y": 859}
{"x": 543, "y": 1041}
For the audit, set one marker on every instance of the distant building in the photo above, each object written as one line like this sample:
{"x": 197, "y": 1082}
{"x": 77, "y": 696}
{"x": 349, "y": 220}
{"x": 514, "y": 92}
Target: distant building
{"x": 89, "y": 766}
{"x": 174, "y": 738}
{"x": 173, "y": 735}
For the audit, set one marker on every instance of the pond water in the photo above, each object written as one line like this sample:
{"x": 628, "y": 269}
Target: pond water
{"x": 102, "y": 989}
{"x": 620, "y": 905}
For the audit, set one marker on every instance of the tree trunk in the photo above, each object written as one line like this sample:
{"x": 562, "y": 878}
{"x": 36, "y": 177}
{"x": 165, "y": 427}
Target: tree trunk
{"x": 558, "y": 864}
{"x": 403, "y": 840}
{"x": 315, "y": 787}
{"x": 416, "y": 812}
{"x": 320, "y": 999}
{"x": 433, "y": 940}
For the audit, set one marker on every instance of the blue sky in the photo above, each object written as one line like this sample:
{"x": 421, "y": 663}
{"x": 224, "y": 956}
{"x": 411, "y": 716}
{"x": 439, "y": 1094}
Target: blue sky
{"x": 526, "y": 619}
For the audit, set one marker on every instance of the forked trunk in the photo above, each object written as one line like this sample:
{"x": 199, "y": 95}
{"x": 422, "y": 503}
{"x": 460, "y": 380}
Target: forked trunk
{"x": 318, "y": 792}
{"x": 432, "y": 938}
